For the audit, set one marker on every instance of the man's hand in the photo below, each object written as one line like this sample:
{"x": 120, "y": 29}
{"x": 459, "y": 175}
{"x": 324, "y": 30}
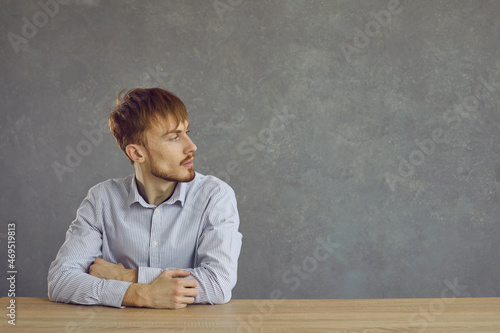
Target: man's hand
{"x": 165, "y": 292}
{"x": 109, "y": 271}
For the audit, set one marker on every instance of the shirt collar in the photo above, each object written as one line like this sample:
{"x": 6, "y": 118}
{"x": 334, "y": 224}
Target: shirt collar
{"x": 179, "y": 194}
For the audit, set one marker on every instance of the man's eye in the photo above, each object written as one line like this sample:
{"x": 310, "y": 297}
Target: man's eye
{"x": 175, "y": 138}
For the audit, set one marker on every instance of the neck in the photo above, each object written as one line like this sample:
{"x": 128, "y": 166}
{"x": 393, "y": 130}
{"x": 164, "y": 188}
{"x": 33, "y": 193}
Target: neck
{"x": 153, "y": 189}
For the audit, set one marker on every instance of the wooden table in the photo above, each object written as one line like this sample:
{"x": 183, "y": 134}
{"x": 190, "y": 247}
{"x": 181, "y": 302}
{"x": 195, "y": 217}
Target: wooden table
{"x": 450, "y": 315}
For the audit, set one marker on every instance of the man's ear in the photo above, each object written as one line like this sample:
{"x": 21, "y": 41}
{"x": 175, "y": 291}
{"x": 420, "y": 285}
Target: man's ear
{"x": 136, "y": 153}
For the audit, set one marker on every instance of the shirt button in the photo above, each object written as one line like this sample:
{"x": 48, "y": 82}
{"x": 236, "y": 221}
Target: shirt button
{"x": 155, "y": 243}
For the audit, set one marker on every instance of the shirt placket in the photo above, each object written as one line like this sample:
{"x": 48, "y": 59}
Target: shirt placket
{"x": 154, "y": 253}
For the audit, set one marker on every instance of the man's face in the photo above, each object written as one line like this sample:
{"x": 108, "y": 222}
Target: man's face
{"x": 170, "y": 151}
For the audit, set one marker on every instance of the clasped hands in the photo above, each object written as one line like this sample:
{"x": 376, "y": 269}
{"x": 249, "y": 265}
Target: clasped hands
{"x": 166, "y": 291}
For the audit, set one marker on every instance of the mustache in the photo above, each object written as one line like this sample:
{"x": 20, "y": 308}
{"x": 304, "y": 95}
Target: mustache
{"x": 187, "y": 159}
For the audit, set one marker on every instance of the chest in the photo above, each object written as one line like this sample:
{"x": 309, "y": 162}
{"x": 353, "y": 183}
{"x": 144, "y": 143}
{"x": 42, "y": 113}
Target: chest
{"x": 152, "y": 237}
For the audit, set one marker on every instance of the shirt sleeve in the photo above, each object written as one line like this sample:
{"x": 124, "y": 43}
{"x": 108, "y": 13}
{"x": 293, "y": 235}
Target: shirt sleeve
{"x": 148, "y": 274}
{"x": 218, "y": 249}
{"x": 68, "y": 278}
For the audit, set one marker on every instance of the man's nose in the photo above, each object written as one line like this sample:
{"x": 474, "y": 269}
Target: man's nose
{"x": 191, "y": 147}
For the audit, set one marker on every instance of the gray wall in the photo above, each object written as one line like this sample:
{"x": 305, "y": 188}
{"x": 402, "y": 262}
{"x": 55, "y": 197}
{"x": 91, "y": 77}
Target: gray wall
{"x": 369, "y": 125}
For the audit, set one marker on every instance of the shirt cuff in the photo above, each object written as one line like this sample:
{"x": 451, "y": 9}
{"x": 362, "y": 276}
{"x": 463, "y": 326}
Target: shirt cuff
{"x": 113, "y": 293}
{"x": 148, "y": 274}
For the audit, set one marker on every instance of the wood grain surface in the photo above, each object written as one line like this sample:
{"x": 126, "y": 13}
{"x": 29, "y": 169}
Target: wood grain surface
{"x": 334, "y": 316}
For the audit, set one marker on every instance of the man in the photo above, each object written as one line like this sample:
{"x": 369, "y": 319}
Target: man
{"x": 164, "y": 237}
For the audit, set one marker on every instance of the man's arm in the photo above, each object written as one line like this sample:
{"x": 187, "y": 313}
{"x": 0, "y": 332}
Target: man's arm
{"x": 78, "y": 274}
{"x": 68, "y": 278}
{"x": 106, "y": 270}
{"x": 164, "y": 292}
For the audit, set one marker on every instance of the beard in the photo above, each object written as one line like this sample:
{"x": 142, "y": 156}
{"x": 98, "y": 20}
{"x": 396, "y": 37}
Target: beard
{"x": 173, "y": 176}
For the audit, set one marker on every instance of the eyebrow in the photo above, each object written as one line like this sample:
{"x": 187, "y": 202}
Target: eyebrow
{"x": 175, "y": 132}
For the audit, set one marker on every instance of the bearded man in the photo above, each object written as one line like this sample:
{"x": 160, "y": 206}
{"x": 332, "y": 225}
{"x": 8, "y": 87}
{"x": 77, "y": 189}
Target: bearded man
{"x": 163, "y": 237}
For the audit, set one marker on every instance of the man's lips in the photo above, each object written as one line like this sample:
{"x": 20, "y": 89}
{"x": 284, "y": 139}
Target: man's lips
{"x": 188, "y": 163}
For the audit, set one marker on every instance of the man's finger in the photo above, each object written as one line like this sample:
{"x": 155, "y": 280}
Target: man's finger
{"x": 190, "y": 283}
{"x": 176, "y": 273}
{"x": 190, "y": 292}
{"x": 187, "y": 300}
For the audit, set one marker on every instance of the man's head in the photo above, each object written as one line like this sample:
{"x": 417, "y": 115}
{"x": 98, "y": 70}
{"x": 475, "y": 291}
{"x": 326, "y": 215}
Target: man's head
{"x": 150, "y": 126}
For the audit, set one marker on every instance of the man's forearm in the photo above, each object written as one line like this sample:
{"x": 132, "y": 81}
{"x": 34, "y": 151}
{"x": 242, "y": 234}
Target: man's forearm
{"x": 81, "y": 288}
{"x": 105, "y": 270}
{"x": 130, "y": 275}
{"x": 213, "y": 288}
{"x": 136, "y": 295}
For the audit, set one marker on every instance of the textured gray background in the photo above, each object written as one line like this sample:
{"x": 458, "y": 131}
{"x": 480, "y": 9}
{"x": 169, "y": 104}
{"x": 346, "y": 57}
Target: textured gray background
{"x": 338, "y": 167}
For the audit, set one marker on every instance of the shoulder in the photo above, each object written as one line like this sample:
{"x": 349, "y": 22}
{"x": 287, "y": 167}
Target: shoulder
{"x": 211, "y": 186}
{"x": 216, "y": 198}
{"x": 115, "y": 187}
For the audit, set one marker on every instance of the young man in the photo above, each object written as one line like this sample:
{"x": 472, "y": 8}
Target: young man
{"x": 164, "y": 237}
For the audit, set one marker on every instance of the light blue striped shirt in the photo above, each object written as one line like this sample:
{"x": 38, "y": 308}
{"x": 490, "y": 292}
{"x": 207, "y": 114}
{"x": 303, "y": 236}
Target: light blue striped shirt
{"x": 196, "y": 229}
